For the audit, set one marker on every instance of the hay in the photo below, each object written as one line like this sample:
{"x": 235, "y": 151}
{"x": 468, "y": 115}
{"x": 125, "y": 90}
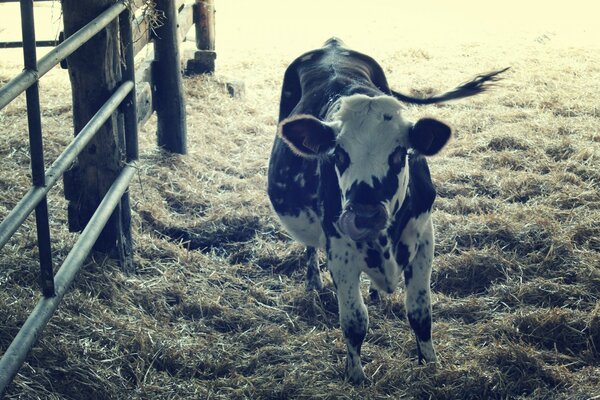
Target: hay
{"x": 217, "y": 307}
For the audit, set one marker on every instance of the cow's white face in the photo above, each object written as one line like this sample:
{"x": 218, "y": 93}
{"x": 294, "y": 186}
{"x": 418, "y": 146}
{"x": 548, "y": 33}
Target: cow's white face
{"x": 370, "y": 162}
{"x": 368, "y": 140}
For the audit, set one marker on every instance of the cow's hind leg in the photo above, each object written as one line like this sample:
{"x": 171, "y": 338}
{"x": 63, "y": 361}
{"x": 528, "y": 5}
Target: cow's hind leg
{"x": 418, "y": 296}
{"x": 313, "y": 274}
{"x": 374, "y": 294}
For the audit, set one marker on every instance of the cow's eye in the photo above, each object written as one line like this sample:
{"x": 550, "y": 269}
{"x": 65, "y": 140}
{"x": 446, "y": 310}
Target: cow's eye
{"x": 398, "y": 158}
{"x": 340, "y": 157}
{"x": 342, "y": 160}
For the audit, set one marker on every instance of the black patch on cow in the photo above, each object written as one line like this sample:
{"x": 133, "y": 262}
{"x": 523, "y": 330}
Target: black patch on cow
{"x": 383, "y": 241}
{"x": 286, "y": 195}
{"x": 408, "y": 274}
{"x": 420, "y": 322}
{"x": 373, "y": 259}
{"x": 402, "y": 254}
{"x": 330, "y": 196}
{"x": 342, "y": 159}
{"x": 382, "y": 189}
{"x": 356, "y": 331}
{"x": 397, "y": 159}
{"x": 386, "y": 255}
{"x": 373, "y": 294}
{"x": 419, "y": 199}
{"x": 421, "y": 187}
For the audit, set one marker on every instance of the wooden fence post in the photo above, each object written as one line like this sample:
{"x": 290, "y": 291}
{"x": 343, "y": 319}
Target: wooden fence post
{"x": 170, "y": 101}
{"x": 204, "y": 21}
{"x": 95, "y": 71}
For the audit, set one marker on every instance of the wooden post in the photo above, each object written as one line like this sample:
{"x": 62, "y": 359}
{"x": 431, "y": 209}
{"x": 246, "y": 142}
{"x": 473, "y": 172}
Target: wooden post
{"x": 170, "y": 101}
{"x": 95, "y": 71}
{"x": 204, "y": 58}
{"x": 205, "y": 25}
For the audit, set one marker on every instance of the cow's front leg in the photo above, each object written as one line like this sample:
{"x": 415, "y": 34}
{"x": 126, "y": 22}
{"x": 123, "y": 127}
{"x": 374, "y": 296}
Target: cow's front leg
{"x": 418, "y": 297}
{"x": 354, "y": 319}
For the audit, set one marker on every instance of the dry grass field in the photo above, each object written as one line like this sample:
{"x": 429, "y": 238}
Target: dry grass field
{"x": 217, "y": 307}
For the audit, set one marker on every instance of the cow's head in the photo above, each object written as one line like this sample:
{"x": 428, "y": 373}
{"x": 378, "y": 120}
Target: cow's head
{"x": 368, "y": 140}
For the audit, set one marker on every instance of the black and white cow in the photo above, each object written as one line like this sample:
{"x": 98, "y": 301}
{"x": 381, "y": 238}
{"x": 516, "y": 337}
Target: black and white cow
{"x": 348, "y": 174}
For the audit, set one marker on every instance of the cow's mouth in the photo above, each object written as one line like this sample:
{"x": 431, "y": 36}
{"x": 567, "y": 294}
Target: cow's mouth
{"x": 362, "y": 223}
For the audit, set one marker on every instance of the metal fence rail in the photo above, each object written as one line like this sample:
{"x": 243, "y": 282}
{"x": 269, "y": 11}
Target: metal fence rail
{"x": 28, "y": 77}
{"x": 17, "y": 216}
{"x": 123, "y": 98}
{"x": 19, "y": 348}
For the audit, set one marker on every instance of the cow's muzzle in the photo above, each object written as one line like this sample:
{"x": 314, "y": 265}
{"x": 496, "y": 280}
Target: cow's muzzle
{"x": 362, "y": 222}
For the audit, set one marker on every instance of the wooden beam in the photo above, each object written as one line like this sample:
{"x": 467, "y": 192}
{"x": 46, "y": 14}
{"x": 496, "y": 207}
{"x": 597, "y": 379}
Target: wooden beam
{"x": 144, "y": 95}
{"x": 169, "y": 99}
{"x": 205, "y": 25}
{"x": 203, "y": 60}
{"x": 94, "y": 72}
{"x": 142, "y": 33}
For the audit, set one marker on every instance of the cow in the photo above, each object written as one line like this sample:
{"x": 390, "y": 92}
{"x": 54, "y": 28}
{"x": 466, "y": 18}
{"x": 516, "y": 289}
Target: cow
{"x": 348, "y": 174}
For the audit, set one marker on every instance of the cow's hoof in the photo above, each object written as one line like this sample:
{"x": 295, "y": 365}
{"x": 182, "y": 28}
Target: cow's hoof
{"x": 355, "y": 375}
{"x": 314, "y": 284}
{"x": 426, "y": 353}
{"x": 374, "y": 295}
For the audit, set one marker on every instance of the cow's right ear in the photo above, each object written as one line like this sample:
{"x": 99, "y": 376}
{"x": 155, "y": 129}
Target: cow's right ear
{"x": 307, "y": 136}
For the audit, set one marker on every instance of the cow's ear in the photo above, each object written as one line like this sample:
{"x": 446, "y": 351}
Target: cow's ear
{"x": 429, "y": 135}
{"x": 307, "y": 136}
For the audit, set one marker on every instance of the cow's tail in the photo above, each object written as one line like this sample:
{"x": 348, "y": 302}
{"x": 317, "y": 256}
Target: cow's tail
{"x": 477, "y": 85}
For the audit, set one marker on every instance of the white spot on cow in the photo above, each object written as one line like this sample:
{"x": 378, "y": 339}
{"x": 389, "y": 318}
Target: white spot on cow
{"x": 368, "y": 137}
{"x": 415, "y": 228}
{"x": 305, "y": 228}
{"x": 299, "y": 179}
{"x": 307, "y": 57}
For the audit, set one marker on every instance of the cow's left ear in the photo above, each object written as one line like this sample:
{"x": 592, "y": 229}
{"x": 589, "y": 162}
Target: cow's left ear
{"x": 429, "y": 135}
{"x": 307, "y": 136}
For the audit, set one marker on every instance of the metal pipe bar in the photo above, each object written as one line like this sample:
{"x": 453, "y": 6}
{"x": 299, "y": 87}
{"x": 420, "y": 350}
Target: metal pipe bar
{"x": 36, "y": 149}
{"x": 129, "y": 106}
{"x": 16, "y": 1}
{"x": 38, "y": 43}
{"x": 25, "y": 79}
{"x": 16, "y": 353}
{"x": 18, "y": 214}
{"x": 34, "y": 118}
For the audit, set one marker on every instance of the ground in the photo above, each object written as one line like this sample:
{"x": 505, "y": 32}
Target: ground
{"x": 217, "y": 306}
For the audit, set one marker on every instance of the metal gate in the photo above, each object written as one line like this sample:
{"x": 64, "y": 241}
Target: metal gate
{"x": 124, "y": 99}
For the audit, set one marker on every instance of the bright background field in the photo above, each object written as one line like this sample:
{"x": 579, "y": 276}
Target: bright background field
{"x": 217, "y": 308}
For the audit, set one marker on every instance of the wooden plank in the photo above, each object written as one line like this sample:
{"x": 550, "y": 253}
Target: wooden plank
{"x": 185, "y": 20}
{"x": 142, "y": 33}
{"x": 144, "y": 95}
